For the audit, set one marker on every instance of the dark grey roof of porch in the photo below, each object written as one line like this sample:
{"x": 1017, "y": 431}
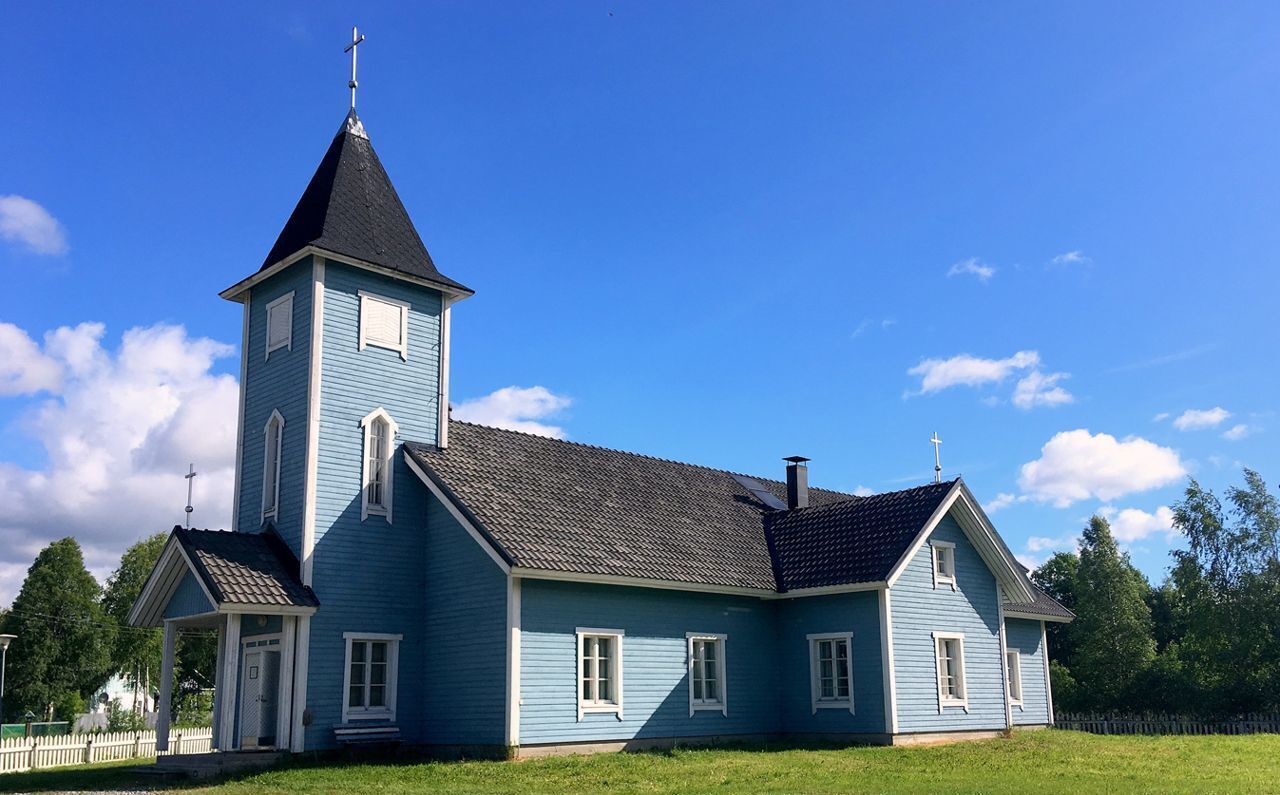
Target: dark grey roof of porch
{"x": 246, "y": 568}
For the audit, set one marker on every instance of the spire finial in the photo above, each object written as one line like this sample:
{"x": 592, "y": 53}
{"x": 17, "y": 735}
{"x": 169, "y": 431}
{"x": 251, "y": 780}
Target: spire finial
{"x": 937, "y": 457}
{"x": 191, "y": 479}
{"x": 356, "y": 38}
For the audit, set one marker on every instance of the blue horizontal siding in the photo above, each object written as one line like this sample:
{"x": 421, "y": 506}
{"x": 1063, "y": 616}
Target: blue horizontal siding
{"x": 919, "y": 610}
{"x": 188, "y": 599}
{"x": 655, "y": 686}
{"x": 1023, "y": 636}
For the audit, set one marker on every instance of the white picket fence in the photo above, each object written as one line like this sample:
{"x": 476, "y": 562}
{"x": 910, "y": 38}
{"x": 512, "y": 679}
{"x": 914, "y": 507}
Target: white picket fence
{"x": 19, "y": 753}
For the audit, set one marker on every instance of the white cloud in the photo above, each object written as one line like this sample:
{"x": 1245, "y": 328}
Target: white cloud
{"x": 1131, "y": 524}
{"x": 26, "y": 222}
{"x": 1199, "y": 419}
{"x": 863, "y": 491}
{"x": 24, "y": 368}
{"x": 1161, "y": 417}
{"x": 1237, "y": 432}
{"x": 965, "y": 370}
{"x": 117, "y": 434}
{"x": 1076, "y": 465}
{"x": 516, "y": 409}
{"x": 1000, "y": 502}
{"x": 1060, "y": 544}
{"x": 1071, "y": 258}
{"x": 972, "y": 267}
{"x": 1037, "y": 389}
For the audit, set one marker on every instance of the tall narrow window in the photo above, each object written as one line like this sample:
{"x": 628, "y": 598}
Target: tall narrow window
{"x": 706, "y": 672}
{"x": 1014, "y": 666}
{"x": 950, "y": 663}
{"x": 280, "y": 324}
{"x": 274, "y": 433}
{"x": 599, "y": 671}
{"x": 944, "y": 564}
{"x": 831, "y": 672}
{"x": 379, "y": 439}
{"x": 370, "y": 676}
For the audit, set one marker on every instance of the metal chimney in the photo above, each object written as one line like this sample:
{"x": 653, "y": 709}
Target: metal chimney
{"x": 797, "y": 482}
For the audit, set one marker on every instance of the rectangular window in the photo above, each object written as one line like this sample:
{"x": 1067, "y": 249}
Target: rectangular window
{"x": 950, "y": 662}
{"x": 370, "y": 674}
{"x": 1014, "y": 665}
{"x": 384, "y": 323}
{"x": 599, "y": 671}
{"x": 831, "y": 671}
{"x": 707, "y": 683}
{"x": 272, "y": 444}
{"x": 944, "y": 564}
{"x": 280, "y": 324}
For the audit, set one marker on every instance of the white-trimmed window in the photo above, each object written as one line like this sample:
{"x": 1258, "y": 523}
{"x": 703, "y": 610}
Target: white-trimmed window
{"x": 707, "y": 681}
{"x": 370, "y": 675}
{"x": 379, "y": 441}
{"x": 949, "y": 650}
{"x": 1013, "y": 666}
{"x": 944, "y": 564}
{"x": 280, "y": 324}
{"x": 599, "y": 671}
{"x": 384, "y": 323}
{"x": 831, "y": 670}
{"x": 273, "y": 443}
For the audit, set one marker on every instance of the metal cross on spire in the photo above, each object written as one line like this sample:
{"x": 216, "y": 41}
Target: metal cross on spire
{"x": 191, "y": 479}
{"x": 356, "y": 38}
{"x": 937, "y": 457}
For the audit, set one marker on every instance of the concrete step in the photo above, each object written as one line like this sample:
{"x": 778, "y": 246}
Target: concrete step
{"x": 214, "y": 764}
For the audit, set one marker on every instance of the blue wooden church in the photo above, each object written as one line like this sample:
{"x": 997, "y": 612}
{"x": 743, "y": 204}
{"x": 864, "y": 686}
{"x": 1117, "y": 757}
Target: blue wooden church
{"x": 391, "y": 574}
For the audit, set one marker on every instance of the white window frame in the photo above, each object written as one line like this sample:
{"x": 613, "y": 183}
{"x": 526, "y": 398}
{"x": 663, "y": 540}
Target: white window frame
{"x": 388, "y": 468}
{"x": 815, "y": 685}
{"x": 945, "y": 701}
{"x": 366, "y": 340}
{"x": 614, "y": 705}
{"x": 943, "y": 551}
{"x": 388, "y": 711}
{"x": 720, "y": 704}
{"x": 282, "y": 304}
{"x": 272, "y": 510}
{"x": 1013, "y": 681}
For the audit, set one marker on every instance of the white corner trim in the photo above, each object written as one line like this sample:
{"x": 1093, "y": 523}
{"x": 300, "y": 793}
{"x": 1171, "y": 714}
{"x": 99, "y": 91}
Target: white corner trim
{"x": 814, "y": 684}
{"x": 284, "y": 704}
{"x": 1048, "y": 683}
{"x": 366, "y": 299}
{"x": 944, "y": 702}
{"x": 272, "y": 509}
{"x": 458, "y": 515}
{"x": 285, "y": 301}
{"x": 244, "y": 374}
{"x": 313, "y": 419}
{"x": 513, "y": 661}
{"x": 614, "y": 706}
{"x": 887, "y": 663}
{"x": 230, "y": 698}
{"x": 442, "y": 436}
{"x": 722, "y": 667}
{"x": 388, "y": 486}
{"x": 940, "y": 579}
{"x": 1004, "y": 659}
{"x": 302, "y": 658}
{"x": 388, "y": 711}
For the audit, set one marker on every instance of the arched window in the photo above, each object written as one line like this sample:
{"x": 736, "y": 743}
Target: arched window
{"x": 379, "y": 439}
{"x": 274, "y": 433}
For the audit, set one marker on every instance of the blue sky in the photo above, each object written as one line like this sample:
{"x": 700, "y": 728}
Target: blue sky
{"x": 711, "y": 232}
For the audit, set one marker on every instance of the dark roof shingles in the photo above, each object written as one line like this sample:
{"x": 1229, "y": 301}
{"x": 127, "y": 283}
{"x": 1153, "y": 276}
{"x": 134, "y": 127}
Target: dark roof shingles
{"x": 1044, "y": 605}
{"x": 246, "y": 568}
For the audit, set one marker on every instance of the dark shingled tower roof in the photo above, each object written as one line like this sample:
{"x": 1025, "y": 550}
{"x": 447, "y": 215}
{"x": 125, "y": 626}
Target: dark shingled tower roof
{"x": 350, "y": 208}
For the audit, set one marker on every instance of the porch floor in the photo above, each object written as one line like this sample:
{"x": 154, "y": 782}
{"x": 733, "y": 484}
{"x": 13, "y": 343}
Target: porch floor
{"x": 212, "y": 765}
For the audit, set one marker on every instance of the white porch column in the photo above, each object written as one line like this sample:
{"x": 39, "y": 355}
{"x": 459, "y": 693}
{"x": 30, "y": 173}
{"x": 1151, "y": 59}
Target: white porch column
{"x": 166, "y": 686}
{"x": 230, "y": 667}
{"x": 218, "y": 685}
{"x": 301, "y": 656}
{"x": 284, "y": 708}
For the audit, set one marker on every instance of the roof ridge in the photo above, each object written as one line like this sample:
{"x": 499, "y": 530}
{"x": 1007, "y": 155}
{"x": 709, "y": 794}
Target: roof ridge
{"x": 616, "y": 451}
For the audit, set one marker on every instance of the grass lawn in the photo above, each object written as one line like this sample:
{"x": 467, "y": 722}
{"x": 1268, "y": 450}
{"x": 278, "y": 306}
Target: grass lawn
{"x": 1046, "y": 761}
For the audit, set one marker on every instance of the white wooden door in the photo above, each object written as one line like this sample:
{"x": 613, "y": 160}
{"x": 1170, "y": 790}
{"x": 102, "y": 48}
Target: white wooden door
{"x": 259, "y": 698}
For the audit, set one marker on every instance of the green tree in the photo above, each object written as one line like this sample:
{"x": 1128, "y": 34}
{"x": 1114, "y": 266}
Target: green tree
{"x": 1114, "y": 644}
{"x": 136, "y": 653}
{"x": 1057, "y": 577}
{"x": 64, "y": 638}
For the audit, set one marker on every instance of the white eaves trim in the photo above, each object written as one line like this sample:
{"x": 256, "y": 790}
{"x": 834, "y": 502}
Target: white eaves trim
{"x": 236, "y": 292}
{"x": 458, "y": 515}
{"x": 1037, "y": 617}
{"x": 978, "y": 529}
{"x": 173, "y": 564}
